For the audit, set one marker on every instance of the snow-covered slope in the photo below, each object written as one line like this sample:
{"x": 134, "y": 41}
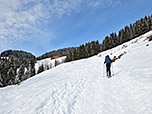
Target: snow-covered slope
{"x": 80, "y": 87}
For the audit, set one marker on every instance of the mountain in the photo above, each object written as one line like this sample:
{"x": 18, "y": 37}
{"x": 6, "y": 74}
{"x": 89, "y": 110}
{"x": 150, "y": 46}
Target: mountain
{"x": 16, "y": 66}
{"x": 50, "y": 54}
{"x": 18, "y": 54}
{"x": 81, "y": 87}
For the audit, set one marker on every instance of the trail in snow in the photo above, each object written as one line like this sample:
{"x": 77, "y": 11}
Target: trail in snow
{"x": 79, "y": 87}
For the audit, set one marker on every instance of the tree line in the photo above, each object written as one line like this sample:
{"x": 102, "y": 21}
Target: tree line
{"x": 63, "y": 52}
{"x": 127, "y": 33}
{"x": 84, "y": 51}
{"x": 124, "y": 35}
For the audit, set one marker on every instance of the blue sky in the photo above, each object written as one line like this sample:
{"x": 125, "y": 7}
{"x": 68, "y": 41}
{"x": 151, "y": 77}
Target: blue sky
{"x": 40, "y": 26}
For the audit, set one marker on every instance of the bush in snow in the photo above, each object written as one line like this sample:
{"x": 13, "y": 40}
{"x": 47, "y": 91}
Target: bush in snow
{"x": 149, "y": 38}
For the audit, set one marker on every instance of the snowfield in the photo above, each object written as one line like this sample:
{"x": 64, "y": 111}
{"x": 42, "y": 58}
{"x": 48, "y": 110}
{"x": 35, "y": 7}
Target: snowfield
{"x": 80, "y": 87}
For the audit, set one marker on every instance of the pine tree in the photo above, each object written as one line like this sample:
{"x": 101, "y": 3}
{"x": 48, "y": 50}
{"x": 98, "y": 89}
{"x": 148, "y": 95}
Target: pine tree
{"x": 56, "y": 62}
{"x": 50, "y": 65}
{"x": 89, "y": 49}
{"x": 32, "y": 69}
{"x": 10, "y": 76}
{"x": 83, "y": 51}
{"x": 98, "y": 48}
{"x": 21, "y": 72}
{"x": 75, "y": 54}
{"x": 40, "y": 69}
{"x": 1, "y": 81}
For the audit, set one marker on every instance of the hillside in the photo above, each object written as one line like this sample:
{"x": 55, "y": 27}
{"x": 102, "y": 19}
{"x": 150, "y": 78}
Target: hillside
{"x": 80, "y": 87}
{"x": 63, "y": 52}
{"x": 18, "y": 54}
{"x": 16, "y": 66}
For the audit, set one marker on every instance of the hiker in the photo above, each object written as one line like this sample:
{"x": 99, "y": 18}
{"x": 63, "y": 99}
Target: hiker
{"x": 108, "y": 62}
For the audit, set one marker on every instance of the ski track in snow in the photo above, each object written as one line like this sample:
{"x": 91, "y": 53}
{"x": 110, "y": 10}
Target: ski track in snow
{"x": 80, "y": 87}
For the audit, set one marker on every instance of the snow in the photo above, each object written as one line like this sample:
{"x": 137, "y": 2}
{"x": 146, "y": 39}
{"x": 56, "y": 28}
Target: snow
{"x": 48, "y": 62}
{"x": 4, "y": 57}
{"x": 80, "y": 87}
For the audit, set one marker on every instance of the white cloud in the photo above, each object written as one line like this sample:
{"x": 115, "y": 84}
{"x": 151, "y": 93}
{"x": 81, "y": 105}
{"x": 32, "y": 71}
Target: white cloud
{"x": 104, "y": 3}
{"x": 24, "y": 19}
{"x": 19, "y": 18}
{"x": 64, "y": 7}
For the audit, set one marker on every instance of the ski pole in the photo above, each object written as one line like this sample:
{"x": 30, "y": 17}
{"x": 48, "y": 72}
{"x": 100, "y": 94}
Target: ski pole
{"x": 112, "y": 70}
{"x": 103, "y": 70}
